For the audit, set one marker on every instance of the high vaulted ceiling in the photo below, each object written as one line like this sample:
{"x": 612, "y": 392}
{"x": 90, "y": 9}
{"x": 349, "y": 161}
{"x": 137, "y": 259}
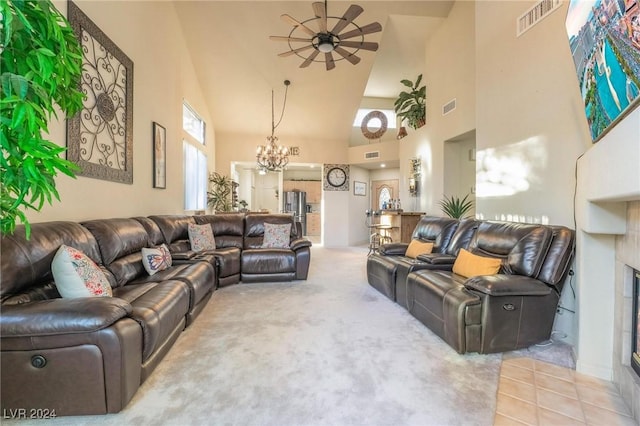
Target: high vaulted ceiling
{"x": 238, "y": 65}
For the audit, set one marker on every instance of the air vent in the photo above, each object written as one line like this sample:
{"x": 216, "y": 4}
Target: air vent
{"x": 535, "y": 14}
{"x": 448, "y": 107}
{"x": 371, "y": 155}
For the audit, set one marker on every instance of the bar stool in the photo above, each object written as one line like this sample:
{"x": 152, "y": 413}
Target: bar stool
{"x": 379, "y": 237}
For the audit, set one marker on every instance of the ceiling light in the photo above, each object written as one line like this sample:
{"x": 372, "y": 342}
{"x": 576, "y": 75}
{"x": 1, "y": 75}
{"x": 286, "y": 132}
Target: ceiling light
{"x": 383, "y": 165}
{"x": 273, "y": 157}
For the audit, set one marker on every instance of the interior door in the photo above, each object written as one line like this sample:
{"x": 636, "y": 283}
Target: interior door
{"x": 383, "y": 190}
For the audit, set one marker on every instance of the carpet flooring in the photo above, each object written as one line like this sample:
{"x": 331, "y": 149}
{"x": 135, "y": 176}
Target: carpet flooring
{"x": 330, "y": 350}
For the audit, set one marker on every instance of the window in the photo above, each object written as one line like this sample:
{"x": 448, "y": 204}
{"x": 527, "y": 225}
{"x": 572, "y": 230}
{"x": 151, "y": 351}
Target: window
{"x": 194, "y": 160}
{"x": 375, "y": 123}
{"x": 195, "y": 177}
{"x": 192, "y": 123}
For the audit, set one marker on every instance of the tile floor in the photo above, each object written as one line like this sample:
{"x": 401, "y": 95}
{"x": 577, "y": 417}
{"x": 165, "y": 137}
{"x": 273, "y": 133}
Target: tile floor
{"x": 533, "y": 392}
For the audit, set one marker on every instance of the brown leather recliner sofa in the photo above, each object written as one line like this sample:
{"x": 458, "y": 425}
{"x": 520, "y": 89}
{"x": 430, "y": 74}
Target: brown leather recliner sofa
{"x": 90, "y": 355}
{"x": 494, "y": 313}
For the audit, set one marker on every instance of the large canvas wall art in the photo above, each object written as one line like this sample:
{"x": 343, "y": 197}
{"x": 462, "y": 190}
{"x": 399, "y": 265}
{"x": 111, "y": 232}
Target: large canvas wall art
{"x": 604, "y": 36}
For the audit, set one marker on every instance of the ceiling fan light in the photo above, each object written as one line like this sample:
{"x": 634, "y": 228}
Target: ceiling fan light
{"x": 325, "y": 47}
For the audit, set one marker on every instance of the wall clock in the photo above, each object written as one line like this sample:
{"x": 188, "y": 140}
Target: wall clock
{"x": 336, "y": 177}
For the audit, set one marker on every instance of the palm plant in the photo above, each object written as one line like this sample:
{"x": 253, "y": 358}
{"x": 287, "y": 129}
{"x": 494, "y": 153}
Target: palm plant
{"x": 455, "y": 207}
{"x": 219, "y": 193}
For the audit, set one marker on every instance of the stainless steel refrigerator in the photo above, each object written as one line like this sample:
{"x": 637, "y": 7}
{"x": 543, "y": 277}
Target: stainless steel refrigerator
{"x": 295, "y": 203}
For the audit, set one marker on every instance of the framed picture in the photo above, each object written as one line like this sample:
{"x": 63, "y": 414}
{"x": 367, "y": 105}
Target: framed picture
{"x": 159, "y": 156}
{"x": 359, "y": 188}
{"x": 100, "y": 135}
{"x": 604, "y": 37}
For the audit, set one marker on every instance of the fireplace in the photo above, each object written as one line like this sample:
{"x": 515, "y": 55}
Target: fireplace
{"x": 635, "y": 341}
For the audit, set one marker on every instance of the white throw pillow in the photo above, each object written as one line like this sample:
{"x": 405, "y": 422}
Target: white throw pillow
{"x": 201, "y": 237}
{"x": 78, "y": 276}
{"x": 276, "y": 236}
{"x": 156, "y": 259}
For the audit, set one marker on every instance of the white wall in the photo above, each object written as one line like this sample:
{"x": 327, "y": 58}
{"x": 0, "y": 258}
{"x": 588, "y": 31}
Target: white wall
{"x": 358, "y": 231}
{"x": 163, "y": 76}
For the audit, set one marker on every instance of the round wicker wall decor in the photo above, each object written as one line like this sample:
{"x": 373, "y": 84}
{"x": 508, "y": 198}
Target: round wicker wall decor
{"x": 377, "y": 134}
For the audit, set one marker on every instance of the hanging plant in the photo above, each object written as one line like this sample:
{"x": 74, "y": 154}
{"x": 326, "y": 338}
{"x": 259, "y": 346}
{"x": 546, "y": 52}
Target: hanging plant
{"x": 41, "y": 66}
{"x": 410, "y": 106}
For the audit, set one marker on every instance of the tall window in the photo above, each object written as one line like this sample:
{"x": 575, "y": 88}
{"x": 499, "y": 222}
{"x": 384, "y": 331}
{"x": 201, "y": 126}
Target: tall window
{"x": 192, "y": 123}
{"x": 195, "y": 177}
{"x": 194, "y": 160}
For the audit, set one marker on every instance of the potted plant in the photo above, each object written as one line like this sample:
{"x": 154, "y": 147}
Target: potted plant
{"x": 219, "y": 193}
{"x": 455, "y": 207}
{"x": 410, "y": 106}
{"x": 41, "y": 67}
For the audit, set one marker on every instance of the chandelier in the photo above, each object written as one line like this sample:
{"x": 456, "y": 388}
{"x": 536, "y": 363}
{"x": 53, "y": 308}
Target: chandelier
{"x": 273, "y": 157}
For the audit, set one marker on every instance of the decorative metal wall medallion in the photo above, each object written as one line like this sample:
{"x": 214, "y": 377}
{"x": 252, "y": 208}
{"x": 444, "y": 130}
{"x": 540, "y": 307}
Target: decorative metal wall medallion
{"x": 100, "y": 136}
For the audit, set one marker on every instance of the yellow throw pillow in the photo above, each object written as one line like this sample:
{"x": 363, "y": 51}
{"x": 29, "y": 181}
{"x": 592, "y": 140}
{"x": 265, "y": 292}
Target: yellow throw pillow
{"x": 417, "y": 248}
{"x": 469, "y": 265}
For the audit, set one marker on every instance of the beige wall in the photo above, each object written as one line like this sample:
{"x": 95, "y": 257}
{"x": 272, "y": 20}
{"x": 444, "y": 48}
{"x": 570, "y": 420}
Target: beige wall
{"x": 449, "y": 73}
{"x": 163, "y": 76}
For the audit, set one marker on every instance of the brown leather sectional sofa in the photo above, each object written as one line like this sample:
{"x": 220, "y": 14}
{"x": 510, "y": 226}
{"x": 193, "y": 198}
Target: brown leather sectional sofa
{"x": 494, "y": 313}
{"x": 90, "y": 355}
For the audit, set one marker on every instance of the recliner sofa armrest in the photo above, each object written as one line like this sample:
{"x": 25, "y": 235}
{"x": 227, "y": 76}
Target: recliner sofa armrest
{"x": 507, "y": 285}
{"x": 62, "y": 316}
{"x": 183, "y": 255}
{"x": 299, "y": 243}
{"x": 393, "y": 249}
{"x": 437, "y": 258}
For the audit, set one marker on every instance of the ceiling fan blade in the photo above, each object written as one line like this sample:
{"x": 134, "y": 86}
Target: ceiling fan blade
{"x": 294, "y": 51}
{"x": 351, "y": 14}
{"x": 364, "y": 45}
{"x": 281, "y": 38}
{"x": 319, "y": 10}
{"x": 295, "y": 23}
{"x": 328, "y": 57}
{"x": 347, "y": 55}
{"x": 367, "y": 29}
{"x": 310, "y": 59}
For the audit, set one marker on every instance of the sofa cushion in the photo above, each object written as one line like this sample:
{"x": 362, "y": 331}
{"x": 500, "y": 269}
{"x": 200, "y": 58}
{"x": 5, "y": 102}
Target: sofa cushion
{"x": 228, "y": 228}
{"x": 268, "y": 261}
{"x": 276, "y": 236}
{"x": 158, "y": 308}
{"x": 78, "y": 276}
{"x": 156, "y": 259}
{"x": 201, "y": 237}
{"x": 470, "y": 265}
{"x": 417, "y": 247}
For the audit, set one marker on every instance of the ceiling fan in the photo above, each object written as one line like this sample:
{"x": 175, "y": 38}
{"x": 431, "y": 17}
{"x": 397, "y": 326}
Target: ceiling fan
{"x": 326, "y": 41}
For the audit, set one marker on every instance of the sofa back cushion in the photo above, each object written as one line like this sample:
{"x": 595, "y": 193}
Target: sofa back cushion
{"x": 436, "y": 230}
{"x": 228, "y": 229}
{"x": 522, "y": 247}
{"x": 462, "y": 237}
{"x": 254, "y": 227}
{"x": 156, "y": 238}
{"x": 26, "y": 264}
{"x": 175, "y": 229}
{"x": 558, "y": 260}
{"x": 121, "y": 242}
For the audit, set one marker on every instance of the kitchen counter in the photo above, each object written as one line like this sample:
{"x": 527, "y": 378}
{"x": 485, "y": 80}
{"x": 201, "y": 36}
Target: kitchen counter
{"x": 402, "y": 223}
